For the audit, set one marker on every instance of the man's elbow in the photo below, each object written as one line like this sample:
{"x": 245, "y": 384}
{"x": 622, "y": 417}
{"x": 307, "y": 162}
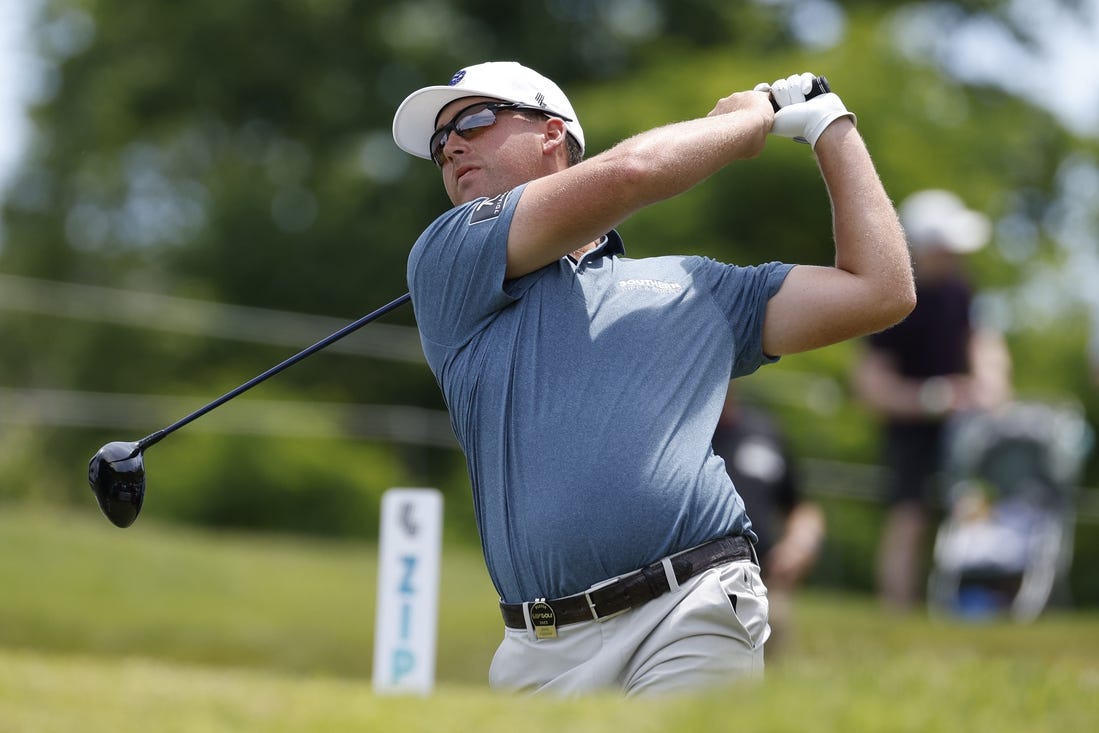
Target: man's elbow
{"x": 898, "y": 303}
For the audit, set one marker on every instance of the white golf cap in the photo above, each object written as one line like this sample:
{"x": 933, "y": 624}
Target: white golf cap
{"x": 414, "y": 122}
{"x": 937, "y": 218}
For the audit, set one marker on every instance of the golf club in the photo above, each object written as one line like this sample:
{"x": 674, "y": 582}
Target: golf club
{"x": 116, "y": 472}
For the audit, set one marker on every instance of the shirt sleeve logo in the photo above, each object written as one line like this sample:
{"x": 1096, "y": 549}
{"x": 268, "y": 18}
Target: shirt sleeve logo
{"x": 488, "y": 209}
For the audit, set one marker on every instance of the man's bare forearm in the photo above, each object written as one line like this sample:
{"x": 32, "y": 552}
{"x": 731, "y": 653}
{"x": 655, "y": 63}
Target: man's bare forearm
{"x": 870, "y": 242}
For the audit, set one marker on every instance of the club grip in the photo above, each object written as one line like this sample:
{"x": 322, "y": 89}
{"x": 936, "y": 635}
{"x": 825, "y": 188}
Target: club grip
{"x": 820, "y": 86}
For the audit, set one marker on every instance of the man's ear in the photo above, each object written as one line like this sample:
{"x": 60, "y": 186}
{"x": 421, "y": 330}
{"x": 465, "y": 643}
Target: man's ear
{"x": 555, "y": 136}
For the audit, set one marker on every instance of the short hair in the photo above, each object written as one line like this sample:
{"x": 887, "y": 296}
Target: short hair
{"x": 575, "y": 153}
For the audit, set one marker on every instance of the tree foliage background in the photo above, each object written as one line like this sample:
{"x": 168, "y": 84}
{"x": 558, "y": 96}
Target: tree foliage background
{"x": 239, "y": 152}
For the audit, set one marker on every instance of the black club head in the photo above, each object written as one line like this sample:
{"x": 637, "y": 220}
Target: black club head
{"x": 116, "y": 474}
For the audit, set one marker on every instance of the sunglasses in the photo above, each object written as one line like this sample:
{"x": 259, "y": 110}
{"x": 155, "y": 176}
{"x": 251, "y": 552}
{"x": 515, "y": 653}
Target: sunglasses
{"x": 473, "y": 118}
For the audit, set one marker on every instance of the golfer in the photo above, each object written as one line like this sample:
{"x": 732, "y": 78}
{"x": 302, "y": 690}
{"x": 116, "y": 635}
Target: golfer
{"x": 584, "y": 386}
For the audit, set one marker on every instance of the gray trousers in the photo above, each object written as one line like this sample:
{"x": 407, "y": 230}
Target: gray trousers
{"x": 708, "y": 633}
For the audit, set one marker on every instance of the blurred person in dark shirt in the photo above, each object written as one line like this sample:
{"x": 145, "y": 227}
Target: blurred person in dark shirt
{"x": 920, "y": 373}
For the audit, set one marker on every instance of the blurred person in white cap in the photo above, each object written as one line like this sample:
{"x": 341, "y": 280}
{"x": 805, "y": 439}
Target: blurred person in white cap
{"x": 584, "y": 386}
{"x": 917, "y": 375}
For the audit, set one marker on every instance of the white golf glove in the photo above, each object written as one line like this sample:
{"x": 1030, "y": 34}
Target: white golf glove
{"x": 798, "y": 118}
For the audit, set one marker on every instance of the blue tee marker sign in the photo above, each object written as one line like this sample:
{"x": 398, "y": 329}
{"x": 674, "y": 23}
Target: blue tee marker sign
{"x": 409, "y": 551}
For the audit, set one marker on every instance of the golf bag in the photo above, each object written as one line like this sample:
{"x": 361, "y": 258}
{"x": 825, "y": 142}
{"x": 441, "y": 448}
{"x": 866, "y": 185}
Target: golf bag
{"x": 1010, "y": 481}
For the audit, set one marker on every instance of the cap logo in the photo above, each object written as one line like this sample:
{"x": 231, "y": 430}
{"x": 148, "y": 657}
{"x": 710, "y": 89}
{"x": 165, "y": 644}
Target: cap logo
{"x": 540, "y": 99}
{"x": 457, "y": 78}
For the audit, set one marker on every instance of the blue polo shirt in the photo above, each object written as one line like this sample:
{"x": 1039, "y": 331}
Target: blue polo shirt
{"x": 585, "y": 396}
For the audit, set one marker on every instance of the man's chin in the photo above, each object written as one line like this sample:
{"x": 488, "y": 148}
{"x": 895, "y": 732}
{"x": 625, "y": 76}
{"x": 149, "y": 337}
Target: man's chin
{"x": 465, "y": 194}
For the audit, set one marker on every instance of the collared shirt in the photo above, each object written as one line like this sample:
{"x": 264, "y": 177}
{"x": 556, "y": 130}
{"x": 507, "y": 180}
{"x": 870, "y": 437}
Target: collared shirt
{"x": 584, "y": 395}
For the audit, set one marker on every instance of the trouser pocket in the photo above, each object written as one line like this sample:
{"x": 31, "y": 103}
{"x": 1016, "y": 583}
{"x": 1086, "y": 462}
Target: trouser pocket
{"x": 748, "y": 600}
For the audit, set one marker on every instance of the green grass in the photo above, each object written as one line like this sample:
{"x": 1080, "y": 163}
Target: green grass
{"x": 158, "y": 628}
{"x": 73, "y": 582}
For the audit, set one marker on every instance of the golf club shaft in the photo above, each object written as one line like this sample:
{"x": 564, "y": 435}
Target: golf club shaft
{"x": 349, "y": 328}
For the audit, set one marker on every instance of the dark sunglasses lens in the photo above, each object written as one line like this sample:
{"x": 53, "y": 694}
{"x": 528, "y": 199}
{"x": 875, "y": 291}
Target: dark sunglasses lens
{"x": 438, "y": 140}
{"x": 468, "y": 122}
{"x": 475, "y": 121}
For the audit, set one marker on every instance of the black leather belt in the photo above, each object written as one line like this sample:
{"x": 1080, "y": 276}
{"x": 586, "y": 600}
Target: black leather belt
{"x": 628, "y": 591}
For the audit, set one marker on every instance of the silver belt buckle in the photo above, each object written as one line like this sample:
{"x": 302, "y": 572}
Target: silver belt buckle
{"x": 591, "y": 604}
